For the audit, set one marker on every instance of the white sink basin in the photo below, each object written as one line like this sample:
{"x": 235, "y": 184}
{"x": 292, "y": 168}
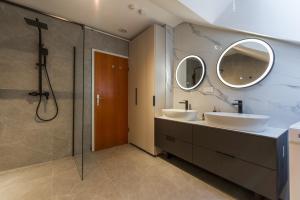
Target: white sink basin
{"x": 188, "y": 115}
{"x": 236, "y": 121}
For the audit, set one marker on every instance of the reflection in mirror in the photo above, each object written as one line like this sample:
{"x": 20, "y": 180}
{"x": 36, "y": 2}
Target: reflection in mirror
{"x": 190, "y": 72}
{"x": 245, "y": 63}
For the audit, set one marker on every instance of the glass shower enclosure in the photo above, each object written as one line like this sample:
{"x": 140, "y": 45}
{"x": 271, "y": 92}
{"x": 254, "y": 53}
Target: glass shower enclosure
{"x": 25, "y": 139}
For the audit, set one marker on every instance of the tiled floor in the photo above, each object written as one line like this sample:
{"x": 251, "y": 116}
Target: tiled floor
{"x": 123, "y": 172}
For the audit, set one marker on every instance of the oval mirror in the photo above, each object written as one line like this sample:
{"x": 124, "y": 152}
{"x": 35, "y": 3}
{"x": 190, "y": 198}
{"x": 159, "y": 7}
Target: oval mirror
{"x": 245, "y": 63}
{"x": 190, "y": 72}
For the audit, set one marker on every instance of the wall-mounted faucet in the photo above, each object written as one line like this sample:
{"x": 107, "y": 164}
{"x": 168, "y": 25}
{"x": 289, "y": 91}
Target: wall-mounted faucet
{"x": 186, "y": 102}
{"x": 239, "y": 103}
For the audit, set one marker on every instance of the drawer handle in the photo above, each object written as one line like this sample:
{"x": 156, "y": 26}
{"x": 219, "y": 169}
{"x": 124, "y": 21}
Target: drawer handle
{"x": 169, "y": 138}
{"x": 225, "y": 154}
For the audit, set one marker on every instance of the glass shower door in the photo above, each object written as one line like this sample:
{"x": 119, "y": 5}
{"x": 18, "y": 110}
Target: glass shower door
{"x": 78, "y": 104}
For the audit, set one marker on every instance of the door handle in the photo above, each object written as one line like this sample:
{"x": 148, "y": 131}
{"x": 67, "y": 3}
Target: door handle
{"x": 98, "y": 99}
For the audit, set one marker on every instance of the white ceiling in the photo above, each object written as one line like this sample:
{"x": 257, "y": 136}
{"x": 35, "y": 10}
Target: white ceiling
{"x": 178, "y": 8}
{"x": 208, "y": 10}
{"x": 112, "y": 15}
{"x": 108, "y": 15}
{"x": 276, "y": 19}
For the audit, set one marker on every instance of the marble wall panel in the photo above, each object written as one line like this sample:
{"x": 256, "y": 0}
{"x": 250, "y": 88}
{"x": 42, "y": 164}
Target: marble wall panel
{"x": 278, "y": 95}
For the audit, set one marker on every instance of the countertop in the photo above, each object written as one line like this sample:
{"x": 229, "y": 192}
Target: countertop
{"x": 269, "y": 132}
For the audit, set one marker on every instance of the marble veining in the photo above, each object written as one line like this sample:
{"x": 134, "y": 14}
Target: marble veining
{"x": 277, "y": 95}
{"x": 169, "y": 66}
{"x": 199, "y": 34}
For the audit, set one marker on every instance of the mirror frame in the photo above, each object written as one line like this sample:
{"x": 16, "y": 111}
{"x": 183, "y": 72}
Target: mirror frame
{"x": 203, "y": 70}
{"x": 264, "y": 75}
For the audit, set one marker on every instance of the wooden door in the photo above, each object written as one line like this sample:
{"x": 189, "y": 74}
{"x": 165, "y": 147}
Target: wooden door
{"x": 111, "y": 100}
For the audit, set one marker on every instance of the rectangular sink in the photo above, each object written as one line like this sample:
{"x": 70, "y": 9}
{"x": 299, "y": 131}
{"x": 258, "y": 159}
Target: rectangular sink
{"x": 181, "y": 114}
{"x": 237, "y": 121}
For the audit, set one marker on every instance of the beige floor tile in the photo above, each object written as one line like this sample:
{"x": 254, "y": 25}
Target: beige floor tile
{"x": 120, "y": 173}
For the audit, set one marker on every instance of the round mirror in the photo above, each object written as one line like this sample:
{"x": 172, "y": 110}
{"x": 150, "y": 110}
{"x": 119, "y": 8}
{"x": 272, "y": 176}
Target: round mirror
{"x": 245, "y": 63}
{"x": 190, "y": 72}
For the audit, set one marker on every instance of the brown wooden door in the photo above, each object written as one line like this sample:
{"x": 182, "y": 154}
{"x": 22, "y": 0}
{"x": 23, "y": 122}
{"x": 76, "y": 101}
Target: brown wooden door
{"x": 111, "y": 108}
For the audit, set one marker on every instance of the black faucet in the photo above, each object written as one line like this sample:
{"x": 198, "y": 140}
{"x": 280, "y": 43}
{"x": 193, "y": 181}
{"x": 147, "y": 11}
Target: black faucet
{"x": 239, "y": 103}
{"x": 186, "y": 102}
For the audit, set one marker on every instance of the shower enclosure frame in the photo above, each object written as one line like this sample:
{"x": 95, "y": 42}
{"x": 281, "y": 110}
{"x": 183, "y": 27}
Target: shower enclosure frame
{"x": 74, "y": 60}
{"x": 83, "y": 27}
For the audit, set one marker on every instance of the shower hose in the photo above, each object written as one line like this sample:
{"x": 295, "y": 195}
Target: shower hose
{"x": 40, "y": 99}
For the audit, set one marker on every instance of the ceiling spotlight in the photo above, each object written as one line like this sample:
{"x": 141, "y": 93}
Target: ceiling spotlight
{"x": 131, "y": 6}
{"x": 122, "y": 30}
{"x": 141, "y": 11}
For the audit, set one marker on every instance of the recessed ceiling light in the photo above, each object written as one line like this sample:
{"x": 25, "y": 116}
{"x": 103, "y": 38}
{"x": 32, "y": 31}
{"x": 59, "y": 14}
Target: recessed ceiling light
{"x": 122, "y": 30}
{"x": 131, "y": 6}
{"x": 141, "y": 11}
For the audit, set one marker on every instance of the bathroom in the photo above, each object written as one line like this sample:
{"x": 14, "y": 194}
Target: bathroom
{"x": 148, "y": 103}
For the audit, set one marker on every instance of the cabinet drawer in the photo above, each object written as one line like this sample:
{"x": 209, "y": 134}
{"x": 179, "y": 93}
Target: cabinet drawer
{"x": 256, "y": 149}
{"x": 178, "y": 130}
{"x": 175, "y": 146}
{"x": 253, "y": 177}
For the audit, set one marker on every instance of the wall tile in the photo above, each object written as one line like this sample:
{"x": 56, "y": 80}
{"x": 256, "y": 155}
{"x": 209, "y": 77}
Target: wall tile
{"x": 23, "y": 141}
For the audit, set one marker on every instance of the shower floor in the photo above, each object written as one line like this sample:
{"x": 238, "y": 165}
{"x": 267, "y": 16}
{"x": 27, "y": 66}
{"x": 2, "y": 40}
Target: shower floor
{"x": 123, "y": 172}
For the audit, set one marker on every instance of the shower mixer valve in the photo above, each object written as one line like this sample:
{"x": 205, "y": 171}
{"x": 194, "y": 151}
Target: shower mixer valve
{"x": 44, "y": 51}
{"x": 46, "y": 94}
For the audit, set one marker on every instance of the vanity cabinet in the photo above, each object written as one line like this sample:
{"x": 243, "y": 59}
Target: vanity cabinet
{"x": 255, "y": 162}
{"x": 175, "y": 138}
{"x": 255, "y": 149}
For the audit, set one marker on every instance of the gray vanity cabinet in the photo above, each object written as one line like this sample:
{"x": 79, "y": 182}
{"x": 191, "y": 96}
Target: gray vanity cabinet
{"x": 175, "y": 138}
{"x": 255, "y": 162}
{"x": 253, "y": 177}
{"x": 255, "y": 149}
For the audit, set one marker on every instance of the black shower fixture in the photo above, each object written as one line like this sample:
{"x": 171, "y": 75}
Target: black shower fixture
{"x": 42, "y": 64}
{"x": 36, "y": 23}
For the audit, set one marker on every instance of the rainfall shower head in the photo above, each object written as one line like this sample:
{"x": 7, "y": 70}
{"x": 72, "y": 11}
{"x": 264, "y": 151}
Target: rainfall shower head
{"x": 36, "y": 23}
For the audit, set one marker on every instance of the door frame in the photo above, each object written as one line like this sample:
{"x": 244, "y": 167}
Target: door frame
{"x": 93, "y": 87}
